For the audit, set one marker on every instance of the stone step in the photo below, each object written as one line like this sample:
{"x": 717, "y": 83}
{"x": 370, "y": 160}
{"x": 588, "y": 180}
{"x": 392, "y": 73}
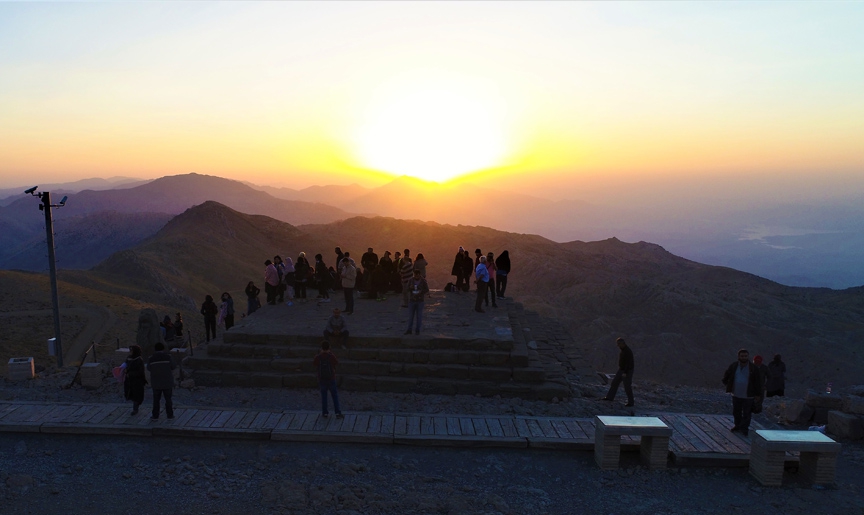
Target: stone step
{"x": 385, "y": 383}
{"x": 255, "y": 366}
{"x": 516, "y": 357}
{"x": 403, "y": 341}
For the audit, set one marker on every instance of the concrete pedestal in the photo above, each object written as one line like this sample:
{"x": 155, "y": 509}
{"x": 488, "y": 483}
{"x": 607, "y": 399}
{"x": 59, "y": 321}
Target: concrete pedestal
{"x": 21, "y": 369}
{"x": 91, "y": 375}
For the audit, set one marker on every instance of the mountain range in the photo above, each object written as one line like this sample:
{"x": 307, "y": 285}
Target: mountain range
{"x": 794, "y": 243}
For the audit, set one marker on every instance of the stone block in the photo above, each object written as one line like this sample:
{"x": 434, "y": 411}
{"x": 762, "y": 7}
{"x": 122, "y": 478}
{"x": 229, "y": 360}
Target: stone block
{"x": 845, "y": 425}
{"x": 858, "y": 390}
{"x": 468, "y": 358}
{"x": 853, "y": 404}
{"x": 436, "y": 386}
{"x": 529, "y": 375}
{"x": 495, "y": 359}
{"x": 218, "y": 349}
{"x": 300, "y": 381}
{"x": 797, "y": 411}
{"x": 443, "y": 356}
{"x": 266, "y": 380}
{"x": 823, "y": 400}
{"x": 497, "y": 375}
{"x": 548, "y": 391}
{"x": 286, "y": 365}
{"x": 359, "y": 354}
{"x": 519, "y": 359}
{"x": 453, "y": 371}
{"x": 21, "y": 369}
{"x": 120, "y": 355}
{"x": 421, "y": 356}
{"x": 91, "y": 375}
{"x": 374, "y": 368}
{"x": 419, "y": 369}
{"x": 398, "y": 355}
{"x": 208, "y": 377}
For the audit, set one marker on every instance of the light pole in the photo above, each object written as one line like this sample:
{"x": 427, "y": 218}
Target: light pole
{"x": 46, "y": 206}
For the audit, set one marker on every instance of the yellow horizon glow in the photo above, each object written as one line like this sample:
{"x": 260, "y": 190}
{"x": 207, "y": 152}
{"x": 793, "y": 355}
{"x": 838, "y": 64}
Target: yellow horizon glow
{"x": 432, "y": 127}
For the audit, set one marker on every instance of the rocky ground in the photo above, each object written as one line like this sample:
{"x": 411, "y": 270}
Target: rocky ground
{"x": 53, "y": 473}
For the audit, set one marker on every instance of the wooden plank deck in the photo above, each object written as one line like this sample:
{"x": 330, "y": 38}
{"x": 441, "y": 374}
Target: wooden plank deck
{"x": 695, "y": 437}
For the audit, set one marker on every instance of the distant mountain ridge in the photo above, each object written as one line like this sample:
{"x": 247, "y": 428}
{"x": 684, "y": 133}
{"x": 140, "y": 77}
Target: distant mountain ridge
{"x": 22, "y": 232}
{"x": 684, "y": 320}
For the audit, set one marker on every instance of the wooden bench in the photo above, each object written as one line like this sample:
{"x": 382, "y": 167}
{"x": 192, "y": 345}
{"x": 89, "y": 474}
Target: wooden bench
{"x": 653, "y": 448}
{"x": 768, "y": 453}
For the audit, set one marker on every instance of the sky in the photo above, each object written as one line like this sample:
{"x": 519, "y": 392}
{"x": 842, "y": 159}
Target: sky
{"x": 563, "y": 99}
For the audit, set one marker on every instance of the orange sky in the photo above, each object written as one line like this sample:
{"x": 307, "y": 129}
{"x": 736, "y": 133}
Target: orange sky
{"x": 560, "y": 93}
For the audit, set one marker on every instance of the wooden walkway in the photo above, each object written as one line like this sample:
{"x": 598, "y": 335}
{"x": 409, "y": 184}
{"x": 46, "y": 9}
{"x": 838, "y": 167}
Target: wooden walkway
{"x": 694, "y": 437}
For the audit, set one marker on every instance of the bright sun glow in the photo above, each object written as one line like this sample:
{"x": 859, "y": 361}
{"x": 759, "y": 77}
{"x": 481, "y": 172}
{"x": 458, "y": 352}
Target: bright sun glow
{"x": 431, "y": 128}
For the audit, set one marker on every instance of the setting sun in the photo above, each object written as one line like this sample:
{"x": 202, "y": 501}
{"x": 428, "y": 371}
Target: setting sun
{"x": 435, "y": 130}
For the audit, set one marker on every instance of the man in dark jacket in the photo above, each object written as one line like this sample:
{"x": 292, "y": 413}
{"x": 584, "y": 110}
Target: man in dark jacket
{"x": 744, "y": 381}
{"x": 625, "y": 373}
{"x": 161, "y": 369}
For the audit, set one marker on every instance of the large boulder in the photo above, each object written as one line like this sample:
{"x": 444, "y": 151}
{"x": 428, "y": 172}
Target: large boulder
{"x": 853, "y": 404}
{"x": 148, "y": 331}
{"x": 856, "y": 390}
{"x": 823, "y": 400}
{"x": 797, "y": 412}
{"x": 845, "y": 426}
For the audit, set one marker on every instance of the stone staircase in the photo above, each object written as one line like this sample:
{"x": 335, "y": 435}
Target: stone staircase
{"x": 502, "y": 364}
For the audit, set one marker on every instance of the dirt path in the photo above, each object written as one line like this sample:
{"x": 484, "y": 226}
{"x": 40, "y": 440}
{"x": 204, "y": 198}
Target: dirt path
{"x": 98, "y": 321}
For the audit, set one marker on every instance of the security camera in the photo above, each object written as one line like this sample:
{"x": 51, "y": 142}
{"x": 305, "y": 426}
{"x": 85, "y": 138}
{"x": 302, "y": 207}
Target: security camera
{"x": 63, "y": 200}
{"x": 30, "y": 190}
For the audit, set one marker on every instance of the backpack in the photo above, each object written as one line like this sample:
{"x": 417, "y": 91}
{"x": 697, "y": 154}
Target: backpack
{"x": 450, "y": 287}
{"x": 325, "y": 368}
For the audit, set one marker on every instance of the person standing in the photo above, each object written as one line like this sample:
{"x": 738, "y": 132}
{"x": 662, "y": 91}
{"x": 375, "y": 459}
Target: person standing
{"x": 178, "y": 326}
{"x": 133, "y": 384}
{"x": 744, "y": 381}
{"x": 502, "y": 264}
{"x": 280, "y": 270}
{"x": 406, "y": 272}
{"x": 458, "y": 270}
{"x": 287, "y": 284}
{"x": 418, "y": 288}
{"x": 252, "y": 302}
{"x": 161, "y": 368}
{"x": 490, "y": 289}
{"x": 763, "y": 371}
{"x": 301, "y": 276}
{"x": 369, "y": 260}
{"x": 481, "y": 276}
{"x": 625, "y": 373}
{"x": 776, "y": 384}
{"x": 226, "y": 311}
{"x": 336, "y": 326}
{"x": 349, "y": 279}
{"x": 420, "y": 264}
{"x": 209, "y": 310}
{"x": 271, "y": 282}
{"x": 468, "y": 268}
{"x": 325, "y": 363}
{"x": 322, "y": 278}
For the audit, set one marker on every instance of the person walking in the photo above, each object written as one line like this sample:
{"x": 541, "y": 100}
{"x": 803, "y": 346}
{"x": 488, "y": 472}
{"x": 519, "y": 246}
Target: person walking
{"x": 325, "y": 363}
{"x": 481, "y": 277}
{"x": 744, "y": 381}
{"x": 349, "y": 279}
{"x": 161, "y": 368}
{"x": 252, "y": 302}
{"x": 418, "y": 288}
{"x": 502, "y": 265}
{"x": 625, "y": 373}
{"x": 133, "y": 384}
{"x": 209, "y": 310}
{"x": 776, "y": 384}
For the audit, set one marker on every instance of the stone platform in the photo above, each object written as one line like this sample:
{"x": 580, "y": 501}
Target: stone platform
{"x": 459, "y": 351}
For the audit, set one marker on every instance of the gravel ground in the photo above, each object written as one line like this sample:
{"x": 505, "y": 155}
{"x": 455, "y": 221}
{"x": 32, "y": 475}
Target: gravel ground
{"x": 79, "y": 474}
